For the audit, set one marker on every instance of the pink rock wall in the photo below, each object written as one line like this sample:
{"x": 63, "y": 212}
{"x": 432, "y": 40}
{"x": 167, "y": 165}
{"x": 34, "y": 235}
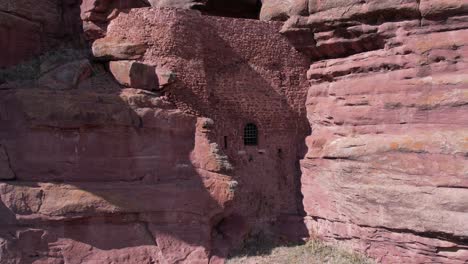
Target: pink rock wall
{"x": 103, "y": 175}
{"x": 28, "y": 29}
{"x": 386, "y": 169}
{"x": 98, "y": 172}
{"x": 137, "y": 155}
{"x": 222, "y": 74}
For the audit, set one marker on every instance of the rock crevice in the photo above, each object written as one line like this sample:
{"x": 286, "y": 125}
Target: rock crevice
{"x": 6, "y": 168}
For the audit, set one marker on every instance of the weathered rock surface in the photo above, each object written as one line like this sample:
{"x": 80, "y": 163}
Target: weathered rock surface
{"x": 131, "y": 192}
{"x": 28, "y": 29}
{"x": 20, "y": 38}
{"x": 134, "y": 74}
{"x": 220, "y": 68}
{"x": 139, "y": 75}
{"x": 111, "y": 174}
{"x": 67, "y": 76}
{"x": 387, "y": 171}
{"x": 145, "y": 162}
{"x": 97, "y": 14}
{"x": 6, "y": 172}
{"x": 118, "y": 49}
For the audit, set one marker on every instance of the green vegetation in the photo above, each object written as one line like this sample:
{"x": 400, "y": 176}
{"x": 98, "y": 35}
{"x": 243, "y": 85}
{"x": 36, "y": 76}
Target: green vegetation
{"x": 313, "y": 252}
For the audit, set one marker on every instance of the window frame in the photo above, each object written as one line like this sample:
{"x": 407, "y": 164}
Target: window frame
{"x": 250, "y": 134}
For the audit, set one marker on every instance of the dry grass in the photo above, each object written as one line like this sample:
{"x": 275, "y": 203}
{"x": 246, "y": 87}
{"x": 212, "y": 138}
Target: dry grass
{"x": 313, "y": 252}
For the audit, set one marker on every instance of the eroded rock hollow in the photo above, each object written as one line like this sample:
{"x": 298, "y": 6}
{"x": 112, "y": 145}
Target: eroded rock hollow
{"x": 170, "y": 131}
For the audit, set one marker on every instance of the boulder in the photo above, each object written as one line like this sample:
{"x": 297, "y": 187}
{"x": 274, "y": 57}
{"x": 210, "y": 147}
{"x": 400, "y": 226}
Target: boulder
{"x": 134, "y": 74}
{"x": 97, "y": 14}
{"x": 117, "y": 49}
{"x": 275, "y": 10}
{"x": 165, "y": 76}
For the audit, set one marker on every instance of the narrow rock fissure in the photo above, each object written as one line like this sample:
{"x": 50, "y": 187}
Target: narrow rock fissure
{"x": 459, "y": 240}
{"x": 419, "y": 12}
{"x": 150, "y": 234}
{"x": 10, "y": 166}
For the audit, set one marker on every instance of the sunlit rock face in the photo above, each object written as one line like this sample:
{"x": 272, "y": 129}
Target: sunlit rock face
{"x": 134, "y": 151}
{"x": 136, "y": 154}
{"x": 386, "y": 170}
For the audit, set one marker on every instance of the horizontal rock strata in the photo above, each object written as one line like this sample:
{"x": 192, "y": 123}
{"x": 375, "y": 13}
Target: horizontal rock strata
{"x": 386, "y": 171}
{"x": 137, "y": 155}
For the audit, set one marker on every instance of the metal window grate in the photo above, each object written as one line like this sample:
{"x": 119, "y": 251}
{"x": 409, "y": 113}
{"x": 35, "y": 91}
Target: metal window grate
{"x": 250, "y": 135}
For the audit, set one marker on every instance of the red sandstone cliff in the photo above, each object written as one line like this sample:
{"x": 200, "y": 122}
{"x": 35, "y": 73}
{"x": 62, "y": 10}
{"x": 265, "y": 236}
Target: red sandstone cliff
{"x": 386, "y": 171}
{"x": 29, "y": 28}
{"x": 137, "y": 155}
{"x": 134, "y": 154}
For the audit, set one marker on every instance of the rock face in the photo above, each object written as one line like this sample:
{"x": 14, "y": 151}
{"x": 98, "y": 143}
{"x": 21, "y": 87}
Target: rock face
{"x": 28, "y": 29}
{"x": 101, "y": 170}
{"x": 221, "y": 74}
{"x": 386, "y": 171}
{"x": 97, "y": 14}
{"x": 129, "y": 189}
{"x": 136, "y": 154}
{"x": 134, "y": 74}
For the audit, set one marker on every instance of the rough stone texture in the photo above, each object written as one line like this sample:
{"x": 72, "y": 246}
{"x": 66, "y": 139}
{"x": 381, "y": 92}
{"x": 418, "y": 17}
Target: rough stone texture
{"x": 96, "y": 14}
{"x": 28, "y": 28}
{"x": 142, "y": 76}
{"x": 221, "y": 74}
{"x": 130, "y": 191}
{"x": 275, "y": 10}
{"x": 106, "y": 174}
{"x": 67, "y": 76}
{"x": 228, "y": 76}
{"x": 122, "y": 175}
{"x": 118, "y": 49}
{"x": 134, "y": 74}
{"x": 386, "y": 171}
{"x": 20, "y": 38}
{"x": 6, "y": 172}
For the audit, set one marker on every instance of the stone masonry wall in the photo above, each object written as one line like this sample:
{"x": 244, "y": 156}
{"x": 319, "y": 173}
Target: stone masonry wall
{"x": 93, "y": 171}
{"x": 233, "y": 72}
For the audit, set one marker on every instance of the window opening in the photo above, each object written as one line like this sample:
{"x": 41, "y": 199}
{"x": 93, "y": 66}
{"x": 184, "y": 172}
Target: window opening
{"x": 250, "y": 135}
